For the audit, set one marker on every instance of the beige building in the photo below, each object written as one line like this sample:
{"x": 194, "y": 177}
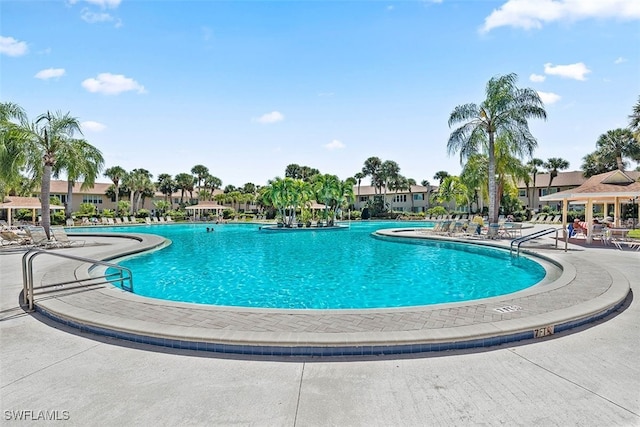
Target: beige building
{"x": 416, "y": 200}
{"x": 564, "y": 181}
{"x": 97, "y": 196}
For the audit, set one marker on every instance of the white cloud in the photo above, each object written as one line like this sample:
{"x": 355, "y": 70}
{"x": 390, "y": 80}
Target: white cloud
{"x": 272, "y": 117}
{"x": 537, "y": 78}
{"x": 92, "y": 17}
{"x": 620, "y": 60}
{"x": 12, "y": 47}
{"x": 575, "y": 71}
{"x": 92, "y": 126}
{"x": 112, "y": 84}
{"x": 549, "y": 97}
{"x": 334, "y": 145}
{"x": 50, "y": 73}
{"x": 528, "y": 14}
{"x": 105, "y": 4}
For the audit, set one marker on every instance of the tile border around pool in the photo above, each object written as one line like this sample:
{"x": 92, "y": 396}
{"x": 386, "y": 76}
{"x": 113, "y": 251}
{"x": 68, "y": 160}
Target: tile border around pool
{"x": 288, "y": 343}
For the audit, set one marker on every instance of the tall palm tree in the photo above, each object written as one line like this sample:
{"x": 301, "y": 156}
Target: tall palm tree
{"x": 553, "y": 165}
{"x": 373, "y": 168}
{"x": 504, "y": 112}
{"x": 82, "y": 162}
{"x": 390, "y": 172}
{"x": 43, "y": 141}
{"x": 327, "y": 188}
{"x": 619, "y": 143}
{"x": 184, "y": 182}
{"x": 116, "y": 174}
{"x": 167, "y": 186}
{"x": 200, "y": 171}
{"x": 426, "y": 183}
{"x": 139, "y": 184}
{"x": 359, "y": 176}
{"x": 533, "y": 165}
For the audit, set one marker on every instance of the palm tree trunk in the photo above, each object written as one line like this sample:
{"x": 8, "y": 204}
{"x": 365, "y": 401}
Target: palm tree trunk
{"x": 67, "y": 204}
{"x": 493, "y": 202}
{"x": 45, "y": 194}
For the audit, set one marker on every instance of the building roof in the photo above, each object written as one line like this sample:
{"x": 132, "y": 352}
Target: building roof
{"x": 369, "y": 190}
{"x": 608, "y": 185}
{"x": 17, "y": 202}
{"x": 564, "y": 179}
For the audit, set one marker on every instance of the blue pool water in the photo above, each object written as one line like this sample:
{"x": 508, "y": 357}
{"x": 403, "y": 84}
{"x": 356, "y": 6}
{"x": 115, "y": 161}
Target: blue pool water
{"x": 239, "y": 265}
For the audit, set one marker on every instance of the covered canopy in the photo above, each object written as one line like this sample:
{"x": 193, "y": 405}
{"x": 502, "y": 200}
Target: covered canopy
{"x": 206, "y": 206}
{"x": 615, "y": 187}
{"x": 17, "y": 202}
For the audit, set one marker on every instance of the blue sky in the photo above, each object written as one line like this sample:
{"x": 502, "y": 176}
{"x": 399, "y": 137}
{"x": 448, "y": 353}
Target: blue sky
{"x": 248, "y": 87}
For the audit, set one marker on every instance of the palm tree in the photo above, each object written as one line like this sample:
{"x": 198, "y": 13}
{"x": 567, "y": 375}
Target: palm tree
{"x": 167, "y": 186}
{"x": 12, "y": 153}
{"x": 327, "y": 188}
{"x": 475, "y": 177}
{"x": 619, "y": 143}
{"x": 440, "y": 176}
{"x": 390, "y": 172}
{"x": 116, "y": 174}
{"x": 200, "y": 171}
{"x": 553, "y": 165}
{"x": 359, "y": 176}
{"x": 533, "y": 165}
{"x": 82, "y": 162}
{"x": 373, "y": 168}
{"x": 504, "y": 112}
{"x": 634, "y": 121}
{"x": 139, "y": 184}
{"x": 43, "y": 141}
{"x": 184, "y": 182}
{"x": 596, "y": 163}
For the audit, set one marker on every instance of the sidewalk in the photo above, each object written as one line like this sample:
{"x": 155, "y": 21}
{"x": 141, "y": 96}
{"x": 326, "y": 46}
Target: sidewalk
{"x": 589, "y": 377}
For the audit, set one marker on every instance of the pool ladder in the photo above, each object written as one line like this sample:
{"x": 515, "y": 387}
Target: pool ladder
{"x": 123, "y": 276}
{"x": 520, "y": 240}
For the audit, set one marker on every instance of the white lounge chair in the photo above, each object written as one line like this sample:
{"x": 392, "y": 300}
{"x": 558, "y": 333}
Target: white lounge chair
{"x": 62, "y": 239}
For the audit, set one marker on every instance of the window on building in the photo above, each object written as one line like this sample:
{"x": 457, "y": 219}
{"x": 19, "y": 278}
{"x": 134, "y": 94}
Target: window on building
{"x": 418, "y": 197}
{"x": 400, "y": 198}
{"x": 543, "y": 191}
{"x": 93, "y": 199}
{"x": 364, "y": 198}
{"x": 61, "y": 197}
{"x": 522, "y": 193}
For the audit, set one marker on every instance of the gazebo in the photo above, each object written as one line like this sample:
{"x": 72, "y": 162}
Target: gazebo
{"x": 16, "y": 202}
{"x": 609, "y": 188}
{"x": 206, "y": 206}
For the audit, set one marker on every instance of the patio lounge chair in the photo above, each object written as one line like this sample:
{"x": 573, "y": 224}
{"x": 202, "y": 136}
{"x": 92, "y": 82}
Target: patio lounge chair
{"x": 39, "y": 237}
{"x": 11, "y": 238}
{"x": 62, "y": 239}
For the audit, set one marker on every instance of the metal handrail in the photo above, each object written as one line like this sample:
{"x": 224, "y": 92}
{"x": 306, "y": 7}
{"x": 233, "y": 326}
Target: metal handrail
{"x": 520, "y": 240}
{"x": 27, "y": 272}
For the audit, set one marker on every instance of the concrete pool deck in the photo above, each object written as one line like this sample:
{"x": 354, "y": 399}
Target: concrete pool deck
{"x": 581, "y": 293}
{"x": 590, "y": 377}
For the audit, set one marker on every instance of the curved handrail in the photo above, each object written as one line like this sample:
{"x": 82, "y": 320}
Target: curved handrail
{"x": 27, "y": 271}
{"x": 520, "y": 240}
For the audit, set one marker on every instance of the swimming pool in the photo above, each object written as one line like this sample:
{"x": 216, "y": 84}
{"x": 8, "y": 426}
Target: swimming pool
{"x": 239, "y": 265}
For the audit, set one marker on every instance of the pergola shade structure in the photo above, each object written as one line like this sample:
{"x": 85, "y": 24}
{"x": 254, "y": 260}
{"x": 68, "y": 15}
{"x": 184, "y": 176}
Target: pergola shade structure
{"x": 206, "y": 207}
{"x": 16, "y": 202}
{"x": 610, "y": 188}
